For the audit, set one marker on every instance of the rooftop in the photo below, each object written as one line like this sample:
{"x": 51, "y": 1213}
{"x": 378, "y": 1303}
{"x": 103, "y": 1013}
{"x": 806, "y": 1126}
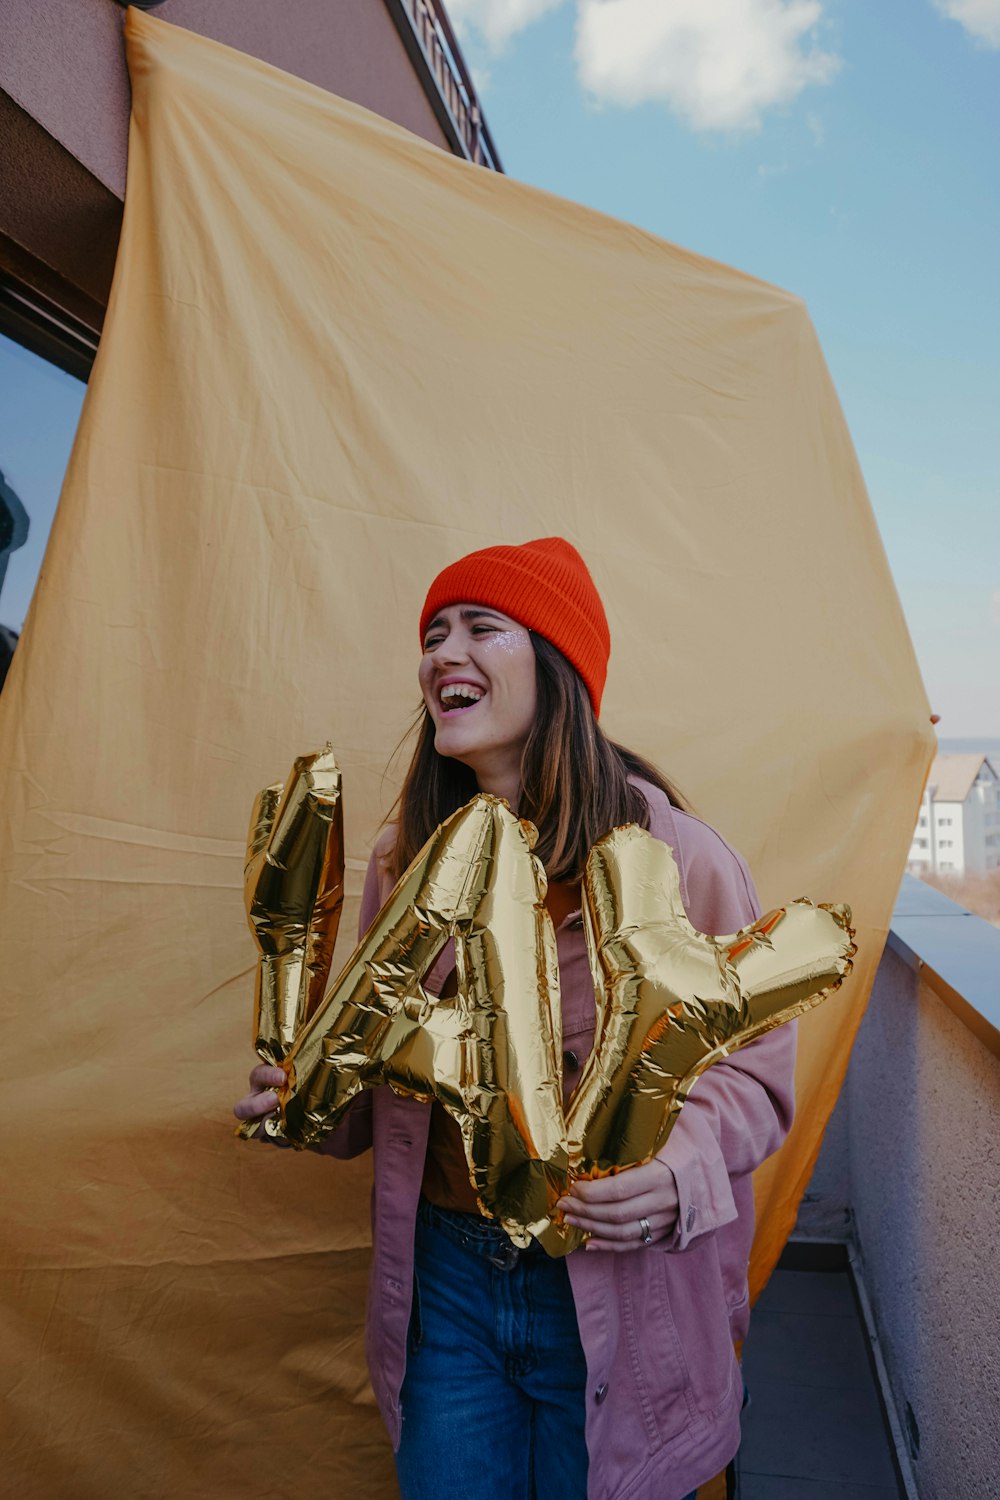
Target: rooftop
{"x": 951, "y": 776}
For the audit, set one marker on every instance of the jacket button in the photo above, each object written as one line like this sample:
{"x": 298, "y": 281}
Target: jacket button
{"x": 601, "y": 1392}
{"x": 570, "y": 1062}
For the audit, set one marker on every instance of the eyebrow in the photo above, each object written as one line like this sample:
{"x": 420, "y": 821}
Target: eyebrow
{"x": 465, "y": 614}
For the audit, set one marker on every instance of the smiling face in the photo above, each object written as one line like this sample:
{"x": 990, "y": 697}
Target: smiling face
{"x": 477, "y": 675}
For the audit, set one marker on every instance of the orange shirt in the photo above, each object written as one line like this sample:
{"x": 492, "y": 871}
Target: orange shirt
{"x": 446, "y": 1172}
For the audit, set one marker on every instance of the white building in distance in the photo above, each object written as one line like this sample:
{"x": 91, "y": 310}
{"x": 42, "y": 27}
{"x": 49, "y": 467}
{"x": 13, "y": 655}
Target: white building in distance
{"x": 958, "y": 829}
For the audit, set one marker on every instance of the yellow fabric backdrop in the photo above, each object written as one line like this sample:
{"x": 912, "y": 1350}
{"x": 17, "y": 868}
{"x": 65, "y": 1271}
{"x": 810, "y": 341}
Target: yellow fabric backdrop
{"x": 335, "y": 359}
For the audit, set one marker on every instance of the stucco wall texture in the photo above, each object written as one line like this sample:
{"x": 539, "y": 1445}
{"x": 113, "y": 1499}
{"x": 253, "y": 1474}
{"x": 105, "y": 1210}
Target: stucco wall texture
{"x": 64, "y": 63}
{"x": 918, "y": 1132}
{"x": 64, "y": 113}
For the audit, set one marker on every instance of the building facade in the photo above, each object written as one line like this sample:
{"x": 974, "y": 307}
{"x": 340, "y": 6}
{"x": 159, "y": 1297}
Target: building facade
{"x": 64, "y": 114}
{"x": 958, "y": 827}
{"x": 64, "y": 122}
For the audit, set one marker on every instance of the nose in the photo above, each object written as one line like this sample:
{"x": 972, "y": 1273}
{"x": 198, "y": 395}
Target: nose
{"x": 451, "y": 651}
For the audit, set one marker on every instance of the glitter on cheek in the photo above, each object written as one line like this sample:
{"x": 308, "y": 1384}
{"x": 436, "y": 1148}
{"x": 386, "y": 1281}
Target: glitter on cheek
{"x": 509, "y": 641}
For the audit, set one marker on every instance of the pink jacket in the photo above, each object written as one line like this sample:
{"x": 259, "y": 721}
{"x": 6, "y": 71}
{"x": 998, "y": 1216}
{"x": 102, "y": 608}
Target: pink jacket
{"x": 657, "y": 1326}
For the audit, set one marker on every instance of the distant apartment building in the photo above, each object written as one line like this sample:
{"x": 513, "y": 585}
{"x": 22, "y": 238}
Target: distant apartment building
{"x": 958, "y": 829}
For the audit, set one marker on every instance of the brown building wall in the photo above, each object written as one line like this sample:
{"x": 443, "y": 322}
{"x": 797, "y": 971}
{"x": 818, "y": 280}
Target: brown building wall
{"x": 64, "y": 108}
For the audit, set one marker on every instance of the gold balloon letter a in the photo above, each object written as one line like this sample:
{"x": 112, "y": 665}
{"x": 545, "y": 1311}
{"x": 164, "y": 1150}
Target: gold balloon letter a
{"x": 485, "y": 1053}
{"x": 669, "y": 1001}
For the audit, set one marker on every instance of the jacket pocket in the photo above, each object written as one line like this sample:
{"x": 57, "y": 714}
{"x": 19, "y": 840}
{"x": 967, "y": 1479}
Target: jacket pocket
{"x": 700, "y": 1303}
{"x": 732, "y": 1244}
{"x": 656, "y": 1353}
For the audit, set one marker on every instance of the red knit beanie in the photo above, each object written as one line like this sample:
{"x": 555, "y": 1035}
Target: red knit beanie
{"x": 546, "y": 587}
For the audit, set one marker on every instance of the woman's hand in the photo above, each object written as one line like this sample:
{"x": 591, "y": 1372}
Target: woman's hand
{"x": 615, "y": 1210}
{"x": 261, "y": 1100}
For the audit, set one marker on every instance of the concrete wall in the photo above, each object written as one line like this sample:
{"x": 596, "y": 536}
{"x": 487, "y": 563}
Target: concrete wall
{"x": 915, "y": 1146}
{"x": 64, "y": 109}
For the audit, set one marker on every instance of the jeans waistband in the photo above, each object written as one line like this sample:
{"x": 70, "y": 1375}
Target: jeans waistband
{"x": 483, "y": 1237}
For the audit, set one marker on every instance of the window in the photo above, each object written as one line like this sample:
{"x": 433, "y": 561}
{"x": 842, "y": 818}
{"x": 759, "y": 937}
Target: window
{"x": 38, "y": 417}
{"x": 944, "y": 822}
{"x": 922, "y": 823}
{"x": 920, "y": 843}
{"x": 946, "y": 843}
{"x": 946, "y": 864}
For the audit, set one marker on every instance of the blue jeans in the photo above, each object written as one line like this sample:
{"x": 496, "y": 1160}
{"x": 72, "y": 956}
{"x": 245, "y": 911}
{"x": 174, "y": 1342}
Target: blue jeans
{"x": 494, "y": 1398}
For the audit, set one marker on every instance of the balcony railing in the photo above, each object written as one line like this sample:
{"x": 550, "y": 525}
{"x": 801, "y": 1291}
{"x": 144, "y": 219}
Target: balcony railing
{"x": 434, "y": 51}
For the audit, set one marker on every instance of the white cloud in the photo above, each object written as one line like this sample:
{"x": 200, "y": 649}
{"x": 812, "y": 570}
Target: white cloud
{"x": 979, "y": 17}
{"x": 496, "y": 21}
{"x": 716, "y": 63}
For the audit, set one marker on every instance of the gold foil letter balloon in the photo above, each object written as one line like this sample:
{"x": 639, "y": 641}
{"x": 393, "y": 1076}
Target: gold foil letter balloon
{"x": 294, "y": 890}
{"x": 487, "y": 1053}
{"x": 672, "y": 1001}
{"x": 669, "y": 1001}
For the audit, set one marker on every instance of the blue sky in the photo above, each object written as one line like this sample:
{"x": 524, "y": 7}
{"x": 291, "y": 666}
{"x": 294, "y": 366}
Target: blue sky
{"x": 873, "y": 192}
{"x": 844, "y": 149}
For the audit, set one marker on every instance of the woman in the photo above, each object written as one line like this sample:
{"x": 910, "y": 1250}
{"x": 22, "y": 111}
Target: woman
{"x": 609, "y": 1374}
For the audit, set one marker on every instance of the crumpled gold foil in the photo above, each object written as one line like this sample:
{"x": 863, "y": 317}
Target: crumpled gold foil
{"x": 293, "y": 886}
{"x": 487, "y": 1053}
{"x": 670, "y": 1002}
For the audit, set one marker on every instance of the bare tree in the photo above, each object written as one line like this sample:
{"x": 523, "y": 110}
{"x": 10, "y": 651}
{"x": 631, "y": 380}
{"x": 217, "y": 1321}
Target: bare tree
{"x": 980, "y": 893}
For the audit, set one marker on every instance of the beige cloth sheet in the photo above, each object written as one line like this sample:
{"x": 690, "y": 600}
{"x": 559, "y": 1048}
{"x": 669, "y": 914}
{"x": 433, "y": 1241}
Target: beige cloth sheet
{"x": 336, "y": 358}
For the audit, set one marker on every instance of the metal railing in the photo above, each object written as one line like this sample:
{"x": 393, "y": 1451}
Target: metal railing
{"x": 433, "y": 47}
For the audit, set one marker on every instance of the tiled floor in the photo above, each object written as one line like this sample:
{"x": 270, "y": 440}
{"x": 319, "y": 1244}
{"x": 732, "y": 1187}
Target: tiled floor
{"x": 814, "y": 1428}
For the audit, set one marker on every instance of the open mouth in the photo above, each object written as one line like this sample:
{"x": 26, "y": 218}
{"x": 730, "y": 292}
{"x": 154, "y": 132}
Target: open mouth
{"x": 458, "y": 698}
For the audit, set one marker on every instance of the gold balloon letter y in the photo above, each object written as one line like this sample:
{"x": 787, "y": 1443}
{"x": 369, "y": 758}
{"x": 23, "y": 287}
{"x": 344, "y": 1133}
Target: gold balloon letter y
{"x": 672, "y": 1001}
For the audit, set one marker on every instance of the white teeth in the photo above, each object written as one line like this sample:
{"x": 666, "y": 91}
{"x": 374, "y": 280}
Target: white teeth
{"x": 460, "y": 690}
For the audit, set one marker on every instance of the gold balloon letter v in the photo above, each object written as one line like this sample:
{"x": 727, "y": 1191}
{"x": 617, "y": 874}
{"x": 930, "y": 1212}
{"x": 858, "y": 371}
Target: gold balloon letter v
{"x": 669, "y": 1001}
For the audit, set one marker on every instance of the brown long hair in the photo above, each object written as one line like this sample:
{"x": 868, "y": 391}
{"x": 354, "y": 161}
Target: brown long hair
{"x": 575, "y": 783}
